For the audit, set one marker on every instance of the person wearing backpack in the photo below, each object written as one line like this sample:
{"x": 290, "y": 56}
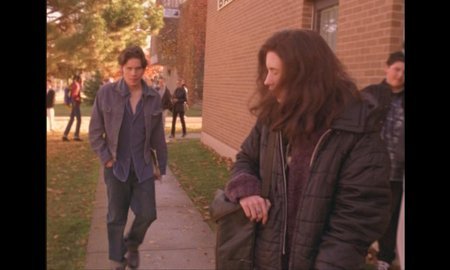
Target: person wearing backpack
{"x": 75, "y": 96}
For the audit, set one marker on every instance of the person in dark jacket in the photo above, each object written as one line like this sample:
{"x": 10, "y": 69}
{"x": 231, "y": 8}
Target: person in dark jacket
{"x": 50, "y": 102}
{"x": 179, "y": 98}
{"x": 125, "y": 129}
{"x": 329, "y": 193}
{"x": 75, "y": 94}
{"x": 166, "y": 98}
{"x": 390, "y": 95}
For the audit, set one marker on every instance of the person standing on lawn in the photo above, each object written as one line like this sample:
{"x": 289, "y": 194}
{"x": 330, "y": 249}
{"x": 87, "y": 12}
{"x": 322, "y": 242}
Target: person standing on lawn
{"x": 50, "y": 100}
{"x": 75, "y": 94}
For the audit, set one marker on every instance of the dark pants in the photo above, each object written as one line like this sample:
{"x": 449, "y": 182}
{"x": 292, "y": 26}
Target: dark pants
{"x": 74, "y": 113}
{"x": 388, "y": 242}
{"x": 140, "y": 197}
{"x": 174, "y": 120}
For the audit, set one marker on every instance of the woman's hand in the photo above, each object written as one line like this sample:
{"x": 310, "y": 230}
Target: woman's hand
{"x": 256, "y": 208}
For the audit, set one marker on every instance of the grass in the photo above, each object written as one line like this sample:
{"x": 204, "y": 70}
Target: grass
{"x": 64, "y": 110}
{"x": 72, "y": 174}
{"x": 200, "y": 172}
{"x": 86, "y": 110}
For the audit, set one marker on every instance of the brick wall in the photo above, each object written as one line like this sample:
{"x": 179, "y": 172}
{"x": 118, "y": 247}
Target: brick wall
{"x": 233, "y": 37}
{"x": 191, "y": 46}
{"x": 368, "y": 30}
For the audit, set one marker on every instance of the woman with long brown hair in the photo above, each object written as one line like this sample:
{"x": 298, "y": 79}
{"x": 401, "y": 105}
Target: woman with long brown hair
{"x": 329, "y": 192}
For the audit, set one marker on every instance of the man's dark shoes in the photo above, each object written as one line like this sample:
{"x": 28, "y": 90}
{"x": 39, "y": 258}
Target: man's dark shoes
{"x": 77, "y": 139}
{"x": 132, "y": 258}
{"x": 65, "y": 139}
{"x": 184, "y": 135}
{"x": 118, "y": 265}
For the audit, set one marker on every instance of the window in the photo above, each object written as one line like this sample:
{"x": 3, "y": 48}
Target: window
{"x": 326, "y": 20}
{"x": 222, "y": 3}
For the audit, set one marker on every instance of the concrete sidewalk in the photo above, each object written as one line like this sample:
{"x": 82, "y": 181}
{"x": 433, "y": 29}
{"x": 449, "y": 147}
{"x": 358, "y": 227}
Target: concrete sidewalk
{"x": 61, "y": 122}
{"x": 178, "y": 239}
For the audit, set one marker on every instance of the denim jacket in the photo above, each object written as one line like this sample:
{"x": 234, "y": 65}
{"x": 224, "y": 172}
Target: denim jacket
{"x": 106, "y": 120}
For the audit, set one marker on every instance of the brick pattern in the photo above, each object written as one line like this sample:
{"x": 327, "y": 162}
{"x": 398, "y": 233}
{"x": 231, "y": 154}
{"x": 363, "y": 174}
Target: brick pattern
{"x": 233, "y": 37}
{"x": 368, "y": 30}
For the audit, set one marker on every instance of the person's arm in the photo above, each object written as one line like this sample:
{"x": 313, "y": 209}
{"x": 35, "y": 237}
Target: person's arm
{"x": 166, "y": 100}
{"x": 245, "y": 180}
{"x": 360, "y": 212}
{"x": 245, "y": 184}
{"x": 158, "y": 139}
{"x": 97, "y": 133}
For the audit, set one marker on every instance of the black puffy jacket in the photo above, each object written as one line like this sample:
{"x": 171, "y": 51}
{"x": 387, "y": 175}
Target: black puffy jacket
{"x": 345, "y": 204}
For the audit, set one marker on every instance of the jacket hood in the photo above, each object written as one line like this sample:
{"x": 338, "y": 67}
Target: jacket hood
{"x": 359, "y": 116}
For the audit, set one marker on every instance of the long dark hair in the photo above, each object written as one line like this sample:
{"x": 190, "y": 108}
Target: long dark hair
{"x": 316, "y": 84}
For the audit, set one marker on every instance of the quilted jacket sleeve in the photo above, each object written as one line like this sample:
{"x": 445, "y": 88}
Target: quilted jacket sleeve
{"x": 245, "y": 180}
{"x": 362, "y": 205}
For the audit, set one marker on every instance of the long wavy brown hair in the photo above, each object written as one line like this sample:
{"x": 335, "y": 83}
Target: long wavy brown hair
{"x": 316, "y": 84}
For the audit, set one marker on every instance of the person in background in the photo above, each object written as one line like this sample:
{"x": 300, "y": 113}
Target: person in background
{"x": 166, "y": 98}
{"x": 179, "y": 97}
{"x": 390, "y": 94}
{"x": 186, "y": 105}
{"x": 329, "y": 193}
{"x": 50, "y": 102}
{"x": 75, "y": 94}
{"x": 125, "y": 129}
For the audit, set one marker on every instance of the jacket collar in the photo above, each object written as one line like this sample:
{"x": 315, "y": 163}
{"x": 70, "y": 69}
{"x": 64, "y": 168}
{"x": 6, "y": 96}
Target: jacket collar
{"x": 359, "y": 116}
{"x": 122, "y": 88}
{"x": 352, "y": 119}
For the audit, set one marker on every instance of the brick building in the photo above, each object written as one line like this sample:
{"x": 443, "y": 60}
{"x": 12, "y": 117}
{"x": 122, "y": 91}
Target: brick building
{"x": 163, "y": 47}
{"x": 179, "y": 46}
{"x": 361, "y": 32}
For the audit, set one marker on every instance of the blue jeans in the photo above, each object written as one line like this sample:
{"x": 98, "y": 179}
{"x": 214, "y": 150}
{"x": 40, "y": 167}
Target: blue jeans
{"x": 74, "y": 113}
{"x": 121, "y": 196}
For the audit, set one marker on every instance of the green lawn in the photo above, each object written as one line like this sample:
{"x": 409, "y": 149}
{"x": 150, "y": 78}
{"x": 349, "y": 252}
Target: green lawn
{"x": 200, "y": 172}
{"x": 72, "y": 174}
{"x": 86, "y": 110}
{"x": 64, "y": 110}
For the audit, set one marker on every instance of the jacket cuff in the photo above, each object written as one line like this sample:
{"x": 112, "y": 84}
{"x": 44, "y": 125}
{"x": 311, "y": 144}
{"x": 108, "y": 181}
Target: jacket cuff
{"x": 105, "y": 157}
{"x": 242, "y": 185}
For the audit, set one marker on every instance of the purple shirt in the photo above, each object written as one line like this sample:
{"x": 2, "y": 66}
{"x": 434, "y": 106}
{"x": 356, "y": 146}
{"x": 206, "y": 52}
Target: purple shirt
{"x": 130, "y": 148}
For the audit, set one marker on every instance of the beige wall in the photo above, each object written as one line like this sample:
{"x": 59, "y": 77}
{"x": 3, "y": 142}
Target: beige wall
{"x": 368, "y": 31}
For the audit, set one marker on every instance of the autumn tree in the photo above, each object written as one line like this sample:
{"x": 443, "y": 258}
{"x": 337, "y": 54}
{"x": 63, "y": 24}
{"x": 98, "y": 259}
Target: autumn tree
{"x": 87, "y": 35}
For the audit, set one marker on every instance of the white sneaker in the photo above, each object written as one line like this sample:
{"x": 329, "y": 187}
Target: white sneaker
{"x": 382, "y": 265}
